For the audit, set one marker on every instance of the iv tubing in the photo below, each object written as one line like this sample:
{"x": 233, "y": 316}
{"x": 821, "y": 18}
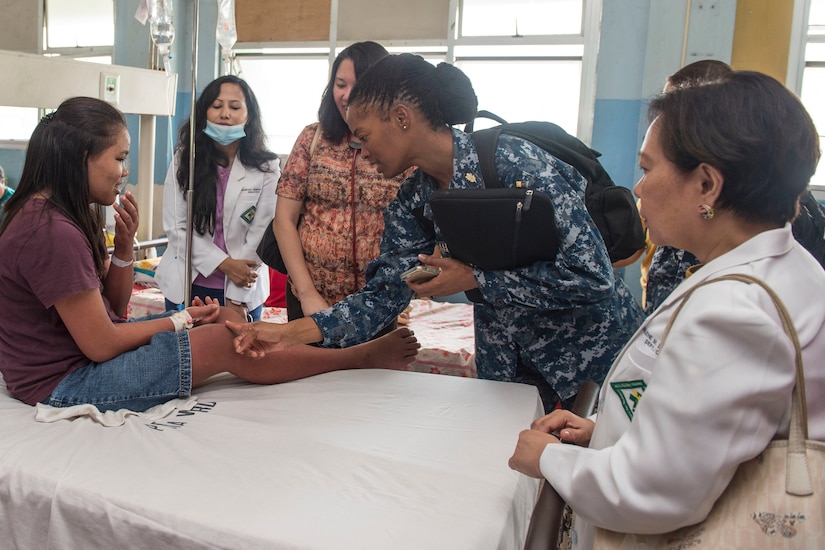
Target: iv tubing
{"x": 187, "y": 290}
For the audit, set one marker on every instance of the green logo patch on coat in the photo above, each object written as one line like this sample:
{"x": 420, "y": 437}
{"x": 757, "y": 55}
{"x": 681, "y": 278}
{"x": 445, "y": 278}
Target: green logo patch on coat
{"x": 630, "y": 393}
{"x": 249, "y": 214}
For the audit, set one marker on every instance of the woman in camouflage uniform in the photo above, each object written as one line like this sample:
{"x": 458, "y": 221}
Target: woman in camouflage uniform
{"x": 553, "y": 324}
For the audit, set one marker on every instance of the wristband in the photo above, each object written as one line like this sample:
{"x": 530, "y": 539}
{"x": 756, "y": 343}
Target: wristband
{"x": 117, "y": 262}
{"x": 182, "y": 320}
{"x": 236, "y": 302}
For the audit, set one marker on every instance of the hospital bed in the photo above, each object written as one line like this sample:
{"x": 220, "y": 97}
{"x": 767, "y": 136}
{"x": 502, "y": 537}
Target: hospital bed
{"x": 362, "y": 459}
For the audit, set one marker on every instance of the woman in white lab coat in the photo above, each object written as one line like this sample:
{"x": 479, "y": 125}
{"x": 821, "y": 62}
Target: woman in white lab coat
{"x": 723, "y": 167}
{"x": 234, "y": 200}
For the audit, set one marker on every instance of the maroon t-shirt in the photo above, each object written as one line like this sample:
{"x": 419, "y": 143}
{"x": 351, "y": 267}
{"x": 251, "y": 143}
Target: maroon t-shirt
{"x": 44, "y": 257}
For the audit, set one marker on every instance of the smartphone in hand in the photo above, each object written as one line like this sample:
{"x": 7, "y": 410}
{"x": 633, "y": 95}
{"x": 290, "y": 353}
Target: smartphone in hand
{"x": 420, "y": 274}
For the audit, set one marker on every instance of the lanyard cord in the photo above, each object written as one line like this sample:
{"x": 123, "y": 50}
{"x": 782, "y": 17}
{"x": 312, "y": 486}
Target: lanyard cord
{"x": 352, "y": 206}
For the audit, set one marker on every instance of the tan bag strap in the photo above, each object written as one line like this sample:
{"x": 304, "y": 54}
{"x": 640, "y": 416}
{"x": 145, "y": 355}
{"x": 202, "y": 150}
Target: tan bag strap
{"x": 312, "y": 145}
{"x": 314, "y": 142}
{"x": 798, "y": 478}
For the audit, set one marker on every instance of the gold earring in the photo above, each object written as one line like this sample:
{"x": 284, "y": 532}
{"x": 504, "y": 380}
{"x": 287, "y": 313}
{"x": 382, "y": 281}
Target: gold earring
{"x": 706, "y": 211}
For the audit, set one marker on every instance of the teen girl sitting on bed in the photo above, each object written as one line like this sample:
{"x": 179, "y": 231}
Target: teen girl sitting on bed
{"x": 63, "y": 341}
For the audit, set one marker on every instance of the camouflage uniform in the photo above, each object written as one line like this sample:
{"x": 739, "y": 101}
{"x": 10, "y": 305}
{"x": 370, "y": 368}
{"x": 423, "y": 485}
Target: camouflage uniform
{"x": 567, "y": 319}
{"x": 667, "y": 269}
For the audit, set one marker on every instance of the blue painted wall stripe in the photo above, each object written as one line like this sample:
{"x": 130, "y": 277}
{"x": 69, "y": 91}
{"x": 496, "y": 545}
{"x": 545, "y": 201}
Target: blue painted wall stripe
{"x": 616, "y": 136}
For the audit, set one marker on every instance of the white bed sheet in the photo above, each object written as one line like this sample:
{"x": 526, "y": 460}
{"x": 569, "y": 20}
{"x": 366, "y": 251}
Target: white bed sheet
{"x": 363, "y": 459}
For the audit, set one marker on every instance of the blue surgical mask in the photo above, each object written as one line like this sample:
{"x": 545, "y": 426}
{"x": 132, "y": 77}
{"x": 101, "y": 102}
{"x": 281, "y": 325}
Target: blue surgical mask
{"x": 224, "y": 134}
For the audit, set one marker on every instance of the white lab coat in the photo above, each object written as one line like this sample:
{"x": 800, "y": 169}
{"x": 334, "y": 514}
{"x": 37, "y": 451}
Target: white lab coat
{"x": 714, "y": 395}
{"x": 247, "y": 187}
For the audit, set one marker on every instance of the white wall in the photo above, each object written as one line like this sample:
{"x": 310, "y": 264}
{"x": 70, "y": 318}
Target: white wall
{"x": 45, "y": 82}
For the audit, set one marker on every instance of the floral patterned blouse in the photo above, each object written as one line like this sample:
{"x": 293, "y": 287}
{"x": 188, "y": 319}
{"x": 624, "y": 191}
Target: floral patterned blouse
{"x": 344, "y": 199}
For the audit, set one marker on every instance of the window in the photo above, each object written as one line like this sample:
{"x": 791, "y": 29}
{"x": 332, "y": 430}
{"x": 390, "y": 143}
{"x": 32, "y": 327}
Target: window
{"x": 813, "y": 76}
{"x": 82, "y": 29}
{"x": 79, "y": 24}
{"x": 531, "y": 87}
{"x": 288, "y": 89}
{"x": 17, "y": 123}
{"x": 521, "y": 17}
{"x": 524, "y": 57}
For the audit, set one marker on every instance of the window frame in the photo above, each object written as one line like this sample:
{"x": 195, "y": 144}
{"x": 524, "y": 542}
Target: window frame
{"x": 800, "y": 38}
{"x": 462, "y": 36}
{"x": 102, "y": 50}
{"x": 79, "y": 53}
{"x": 588, "y": 40}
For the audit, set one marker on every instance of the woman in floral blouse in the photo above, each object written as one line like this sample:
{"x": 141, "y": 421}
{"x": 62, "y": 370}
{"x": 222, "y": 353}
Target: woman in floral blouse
{"x": 329, "y": 219}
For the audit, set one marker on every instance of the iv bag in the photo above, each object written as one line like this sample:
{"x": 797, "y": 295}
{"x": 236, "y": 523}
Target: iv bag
{"x": 226, "y": 32}
{"x": 162, "y": 30}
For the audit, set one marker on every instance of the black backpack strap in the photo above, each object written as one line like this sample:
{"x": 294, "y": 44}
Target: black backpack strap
{"x": 814, "y": 209}
{"x": 423, "y": 221}
{"x": 565, "y": 147}
{"x": 483, "y": 114}
{"x": 809, "y": 226}
{"x": 486, "y": 142}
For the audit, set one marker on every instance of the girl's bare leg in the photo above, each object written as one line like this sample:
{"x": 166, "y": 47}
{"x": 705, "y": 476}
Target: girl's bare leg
{"x": 213, "y": 352}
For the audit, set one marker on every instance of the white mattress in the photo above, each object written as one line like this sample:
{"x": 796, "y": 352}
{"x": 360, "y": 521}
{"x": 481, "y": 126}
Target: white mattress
{"x": 366, "y": 459}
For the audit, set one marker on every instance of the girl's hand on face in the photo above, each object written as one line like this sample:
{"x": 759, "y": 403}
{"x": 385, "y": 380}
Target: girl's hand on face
{"x": 127, "y": 220}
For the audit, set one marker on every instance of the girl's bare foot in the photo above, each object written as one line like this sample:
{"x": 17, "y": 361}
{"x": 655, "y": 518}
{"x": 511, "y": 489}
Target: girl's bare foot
{"x": 391, "y": 351}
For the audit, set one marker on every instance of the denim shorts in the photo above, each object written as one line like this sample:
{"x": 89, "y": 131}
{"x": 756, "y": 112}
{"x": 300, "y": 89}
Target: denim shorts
{"x": 136, "y": 380}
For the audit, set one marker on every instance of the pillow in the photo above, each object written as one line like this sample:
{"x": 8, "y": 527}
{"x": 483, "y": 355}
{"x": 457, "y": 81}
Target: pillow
{"x": 145, "y": 272}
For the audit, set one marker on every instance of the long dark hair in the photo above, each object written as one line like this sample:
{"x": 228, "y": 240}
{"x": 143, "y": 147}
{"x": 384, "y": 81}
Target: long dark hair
{"x": 362, "y": 55}
{"x": 252, "y": 152}
{"x": 442, "y": 93}
{"x": 56, "y": 165}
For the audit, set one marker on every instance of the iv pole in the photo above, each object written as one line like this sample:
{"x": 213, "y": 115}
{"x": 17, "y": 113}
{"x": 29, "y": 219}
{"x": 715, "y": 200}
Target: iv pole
{"x": 190, "y": 193}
